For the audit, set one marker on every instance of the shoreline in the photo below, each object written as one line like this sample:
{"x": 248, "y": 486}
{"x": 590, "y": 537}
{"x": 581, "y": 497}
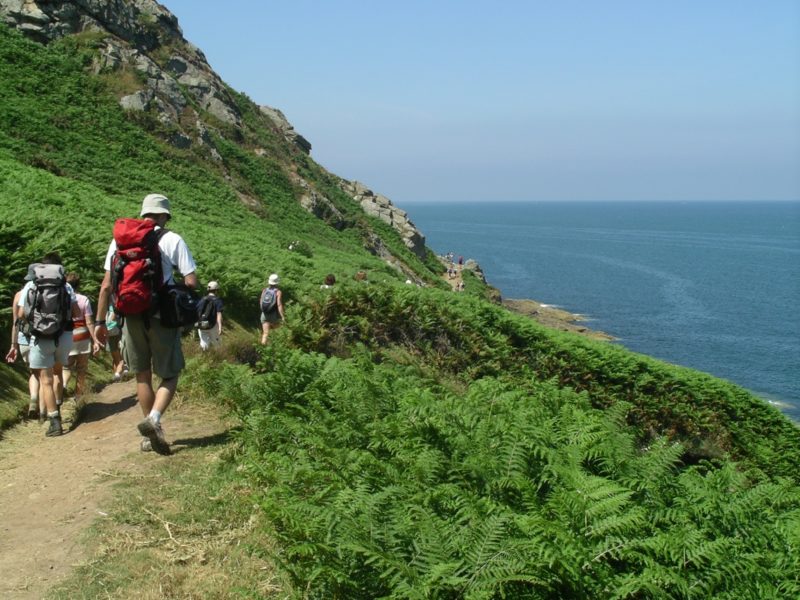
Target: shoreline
{"x": 555, "y": 318}
{"x": 544, "y": 314}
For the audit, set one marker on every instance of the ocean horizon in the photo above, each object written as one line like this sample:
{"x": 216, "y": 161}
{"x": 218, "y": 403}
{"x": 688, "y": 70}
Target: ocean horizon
{"x": 709, "y": 285}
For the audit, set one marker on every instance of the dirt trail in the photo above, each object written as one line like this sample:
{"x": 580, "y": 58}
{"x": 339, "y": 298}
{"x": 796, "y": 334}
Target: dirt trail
{"x": 51, "y": 489}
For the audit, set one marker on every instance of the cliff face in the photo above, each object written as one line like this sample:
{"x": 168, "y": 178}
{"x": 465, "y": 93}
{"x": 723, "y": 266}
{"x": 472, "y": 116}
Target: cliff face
{"x": 171, "y": 79}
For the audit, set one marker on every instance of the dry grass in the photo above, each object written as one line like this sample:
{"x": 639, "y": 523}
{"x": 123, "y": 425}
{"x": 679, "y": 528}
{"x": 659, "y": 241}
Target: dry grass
{"x": 184, "y": 529}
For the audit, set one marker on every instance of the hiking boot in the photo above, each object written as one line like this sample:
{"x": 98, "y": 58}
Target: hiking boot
{"x": 153, "y": 432}
{"x": 33, "y": 410}
{"x": 55, "y": 427}
{"x": 145, "y": 445}
{"x": 117, "y": 377}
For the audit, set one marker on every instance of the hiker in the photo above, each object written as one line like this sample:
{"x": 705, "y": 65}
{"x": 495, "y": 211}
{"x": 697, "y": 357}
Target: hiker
{"x": 46, "y": 307}
{"x": 271, "y": 307}
{"x": 149, "y": 345}
{"x": 83, "y": 341}
{"x": 21, "y": 347}
{"x": 330, "y": 280}
{"x": 209, "y": 313}
{"x": 114, "y": 345}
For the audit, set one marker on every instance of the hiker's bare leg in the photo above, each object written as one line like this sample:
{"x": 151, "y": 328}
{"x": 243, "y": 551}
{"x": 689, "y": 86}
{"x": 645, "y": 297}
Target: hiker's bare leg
{"x": 164, "y": 394}
{"x": 160, "y": 399}
{"x": 58, "y": 382}
{"x": 67, "y": 372}
{"x": 81, "y": 367}
{"x": 33, "y": 388}
{"x": 119, "y": 364}
{"x": 264, "y": 332}
{"x": 46, "y": 392}
{"x": 144, "y": 391}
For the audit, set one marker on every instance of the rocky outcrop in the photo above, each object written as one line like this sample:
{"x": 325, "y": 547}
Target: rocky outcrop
{"x": 135, "y": 29}
{"x": 143, "y": 23}
{"x": 286, "y": 128}
{"x": 174, "y": 82}
{"x": 375, "y": 246}
{"x": 381, "y": 207}
{"x": 475, "y": 268}
{"x": 320, "y": 206}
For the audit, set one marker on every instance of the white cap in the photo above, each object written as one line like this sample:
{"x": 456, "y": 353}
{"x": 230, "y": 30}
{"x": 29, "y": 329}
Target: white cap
{"x": 274, "y": 279}
{"x": 213, "y": 285}
{"x": 155, "y": 204}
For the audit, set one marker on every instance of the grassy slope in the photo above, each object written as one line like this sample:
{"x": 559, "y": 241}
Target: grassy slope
{"x": 71, "y": 162}
{"x": 419, "y": 369}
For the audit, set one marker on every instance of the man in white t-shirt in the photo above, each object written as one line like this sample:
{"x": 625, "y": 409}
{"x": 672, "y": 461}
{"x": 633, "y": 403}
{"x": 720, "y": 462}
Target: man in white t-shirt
{"x": 149, "y": 347}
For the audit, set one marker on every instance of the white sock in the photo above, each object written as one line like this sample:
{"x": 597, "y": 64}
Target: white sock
{"x": 52, "y": 414}
{"x": 155, "y": 416}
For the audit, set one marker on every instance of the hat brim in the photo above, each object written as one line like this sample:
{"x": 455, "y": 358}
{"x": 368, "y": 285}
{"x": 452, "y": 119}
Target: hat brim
{"x": 155, "y": 211}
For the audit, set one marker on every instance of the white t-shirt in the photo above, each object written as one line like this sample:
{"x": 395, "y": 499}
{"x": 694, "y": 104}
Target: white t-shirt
{"x": 175, "y": 255}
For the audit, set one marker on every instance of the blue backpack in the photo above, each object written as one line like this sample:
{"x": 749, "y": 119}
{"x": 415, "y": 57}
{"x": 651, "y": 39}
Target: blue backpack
{"x": 269, "y": 298}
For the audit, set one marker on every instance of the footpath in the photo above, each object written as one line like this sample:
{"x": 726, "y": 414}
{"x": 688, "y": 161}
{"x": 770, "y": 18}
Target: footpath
{"x": 52, "y": 489}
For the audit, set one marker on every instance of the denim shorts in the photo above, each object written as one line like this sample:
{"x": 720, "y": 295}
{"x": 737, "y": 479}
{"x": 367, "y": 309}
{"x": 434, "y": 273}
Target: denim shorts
{"x": 25, "y": 353}
{"x": 45, "y": 353}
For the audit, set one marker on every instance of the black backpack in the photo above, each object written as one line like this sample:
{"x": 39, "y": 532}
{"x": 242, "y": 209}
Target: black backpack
{"x": 269, "y": 298}
{"x": 178, "y": 306}
{"x": 207, "y": 313}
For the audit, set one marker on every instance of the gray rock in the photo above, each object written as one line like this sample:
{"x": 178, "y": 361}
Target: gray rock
{"x": 139, "y": 101}
{"x": 320, "y": 206}
{"x": 286, "y": 128}
{"x": 379, "y": 206}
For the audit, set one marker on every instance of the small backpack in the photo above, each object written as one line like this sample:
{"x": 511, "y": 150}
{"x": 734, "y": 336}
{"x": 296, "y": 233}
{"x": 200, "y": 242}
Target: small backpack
{"x": 206, "y": 313}
{"x": 269, "y": 298}
{"x": 47, "y": 306}
{"x": 136, "y": 272}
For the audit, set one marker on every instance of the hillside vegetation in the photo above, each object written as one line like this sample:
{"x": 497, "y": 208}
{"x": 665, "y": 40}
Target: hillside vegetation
{"x": 404, "y": 441}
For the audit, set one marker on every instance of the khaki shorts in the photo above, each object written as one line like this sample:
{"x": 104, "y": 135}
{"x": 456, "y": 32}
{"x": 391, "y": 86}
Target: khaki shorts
{"x": 81, "y": 347}
{"x": 153, "y": 348}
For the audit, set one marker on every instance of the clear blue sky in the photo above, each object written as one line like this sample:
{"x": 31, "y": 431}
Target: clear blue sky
{"x": 525, "y": 100}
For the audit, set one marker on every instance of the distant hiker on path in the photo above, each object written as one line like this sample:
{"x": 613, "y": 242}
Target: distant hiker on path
{"x": 271, "y": 308}
{"x": 132, "y": 283}
{"x": 330, "y": 280}
{"x": 45, "y": 311}
{"x": 83, "y": 340}
{"x": 21, "y": 347}
{"x": 209, "y": 317}
{"x": 114, "y": 344}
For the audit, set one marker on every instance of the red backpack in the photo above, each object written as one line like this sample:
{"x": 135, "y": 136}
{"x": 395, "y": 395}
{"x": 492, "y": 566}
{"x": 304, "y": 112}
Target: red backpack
{"x": 136, "y": 273}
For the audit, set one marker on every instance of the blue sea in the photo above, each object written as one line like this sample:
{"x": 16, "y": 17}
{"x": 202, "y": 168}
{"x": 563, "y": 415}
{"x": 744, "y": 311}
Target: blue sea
{"x": 714, "y": 286}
